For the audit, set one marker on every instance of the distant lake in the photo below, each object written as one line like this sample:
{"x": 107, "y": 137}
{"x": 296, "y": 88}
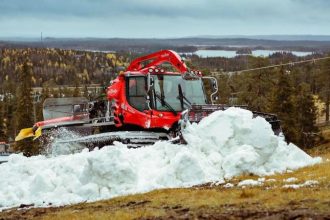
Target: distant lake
{"x": 257, "y": 53}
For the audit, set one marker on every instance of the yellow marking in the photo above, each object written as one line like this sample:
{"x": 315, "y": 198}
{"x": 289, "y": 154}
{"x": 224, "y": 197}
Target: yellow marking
{"x": 37, "y": 133}
{"x": 24, "y": 133}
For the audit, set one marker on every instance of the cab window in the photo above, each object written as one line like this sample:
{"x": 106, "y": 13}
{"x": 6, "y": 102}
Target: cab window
{"x": 137, "y": 93}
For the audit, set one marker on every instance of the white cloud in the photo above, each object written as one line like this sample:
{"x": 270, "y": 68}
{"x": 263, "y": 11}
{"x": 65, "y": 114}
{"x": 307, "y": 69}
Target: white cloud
{"x": 158, "y": 18}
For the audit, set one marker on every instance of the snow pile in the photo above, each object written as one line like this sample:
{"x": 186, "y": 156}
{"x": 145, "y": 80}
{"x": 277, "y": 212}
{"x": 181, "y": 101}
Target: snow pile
{"x": 223, "y": 145}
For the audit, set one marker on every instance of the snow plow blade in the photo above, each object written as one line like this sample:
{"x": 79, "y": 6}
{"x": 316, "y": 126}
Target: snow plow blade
{"x": 37, "y": 133}
{"x": 29, "y": 133}
{"x": 25, "y": 133}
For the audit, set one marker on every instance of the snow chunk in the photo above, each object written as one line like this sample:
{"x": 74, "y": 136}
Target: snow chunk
{"x": 262, "y": 179}
{"x": 311, "y": 182}
{"x": 228, "y": 185}
{"x": 250, "y": 182}
{"x": 290, "y": 180}
{"x": 308, "y": 183}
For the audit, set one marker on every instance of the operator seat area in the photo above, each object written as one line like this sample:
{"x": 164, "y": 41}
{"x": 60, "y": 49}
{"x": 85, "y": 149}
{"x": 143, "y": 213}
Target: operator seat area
{"x": 136, "y": 93}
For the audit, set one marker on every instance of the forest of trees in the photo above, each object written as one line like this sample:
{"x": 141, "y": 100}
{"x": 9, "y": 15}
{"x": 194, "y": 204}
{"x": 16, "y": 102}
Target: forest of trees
{"x": 290, "y": 92}
{"x": 53, "y": 70}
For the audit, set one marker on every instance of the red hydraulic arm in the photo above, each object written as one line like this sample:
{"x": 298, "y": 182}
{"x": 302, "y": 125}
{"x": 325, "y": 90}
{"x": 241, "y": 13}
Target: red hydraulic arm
{"x": 157, "y": 59}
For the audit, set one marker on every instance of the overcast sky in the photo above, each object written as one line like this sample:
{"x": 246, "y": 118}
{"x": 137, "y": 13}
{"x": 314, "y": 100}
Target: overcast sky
{"x": 162, "y": 18}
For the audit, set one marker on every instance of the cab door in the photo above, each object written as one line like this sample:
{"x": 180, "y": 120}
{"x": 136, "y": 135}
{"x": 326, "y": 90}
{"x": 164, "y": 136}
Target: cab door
{"x": 137, "y": 111}
{"x": 136, "y": 92}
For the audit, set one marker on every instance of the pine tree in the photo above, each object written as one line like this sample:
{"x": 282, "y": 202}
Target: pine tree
{"x": 9, "y": 108}
{"x": 86, "y": 93}
{"x": 283, "y": 105}
{"x": 24, "y": 111}
{"x": 76, "y": 91}
{"x": 9, "y": 117}
{"x": 306, "y": 116}
{"x": 39, "y": 105}
{"x": 325, "y": 92}
{"x": 2, "y": 122}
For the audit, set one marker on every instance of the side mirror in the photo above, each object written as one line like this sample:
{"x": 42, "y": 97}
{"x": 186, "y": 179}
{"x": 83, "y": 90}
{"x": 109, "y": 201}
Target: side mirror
{"x": 150, "y": 82}
{"x": 76, "y": 109}
{"x": 214, "y": 87}
{"x": 80, "y": 112}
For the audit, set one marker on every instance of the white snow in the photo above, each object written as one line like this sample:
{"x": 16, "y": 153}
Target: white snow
{"x": 3, "y": 158}
{"x": 249, "y": 182}
{"x": 228, "y": 185}
{"x": 308, "y": 183}
{"x": 262, "y": 179}
{"x": 290, "y": 180}
{"x": 311, "y": 182}
{"x": 223, "y": 145}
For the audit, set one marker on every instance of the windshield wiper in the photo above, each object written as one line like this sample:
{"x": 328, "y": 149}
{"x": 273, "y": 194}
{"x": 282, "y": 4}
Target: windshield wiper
{"x": 163, "y": 102}
{"x": 183, "y": 97}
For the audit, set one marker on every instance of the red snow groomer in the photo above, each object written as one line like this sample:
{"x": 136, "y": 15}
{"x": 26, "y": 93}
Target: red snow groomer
{"x": 144, "y": 104}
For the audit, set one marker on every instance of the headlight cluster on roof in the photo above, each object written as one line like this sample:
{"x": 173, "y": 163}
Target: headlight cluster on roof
{"x": 156, "y": 70}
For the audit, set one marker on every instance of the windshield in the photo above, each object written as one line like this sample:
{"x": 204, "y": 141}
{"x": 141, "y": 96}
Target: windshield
{"x": 167, "y": 92}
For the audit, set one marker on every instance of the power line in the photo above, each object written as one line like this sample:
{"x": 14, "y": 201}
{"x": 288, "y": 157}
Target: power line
{"x": 278, "y": 65}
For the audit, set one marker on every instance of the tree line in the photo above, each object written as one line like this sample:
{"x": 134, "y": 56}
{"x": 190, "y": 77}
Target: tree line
{"x": 289, "y": 92}
{"x": 53, "y": 70}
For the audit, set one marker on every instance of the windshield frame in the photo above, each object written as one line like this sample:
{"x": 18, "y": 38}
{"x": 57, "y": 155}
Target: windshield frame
{"x": 166, "y": 109}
